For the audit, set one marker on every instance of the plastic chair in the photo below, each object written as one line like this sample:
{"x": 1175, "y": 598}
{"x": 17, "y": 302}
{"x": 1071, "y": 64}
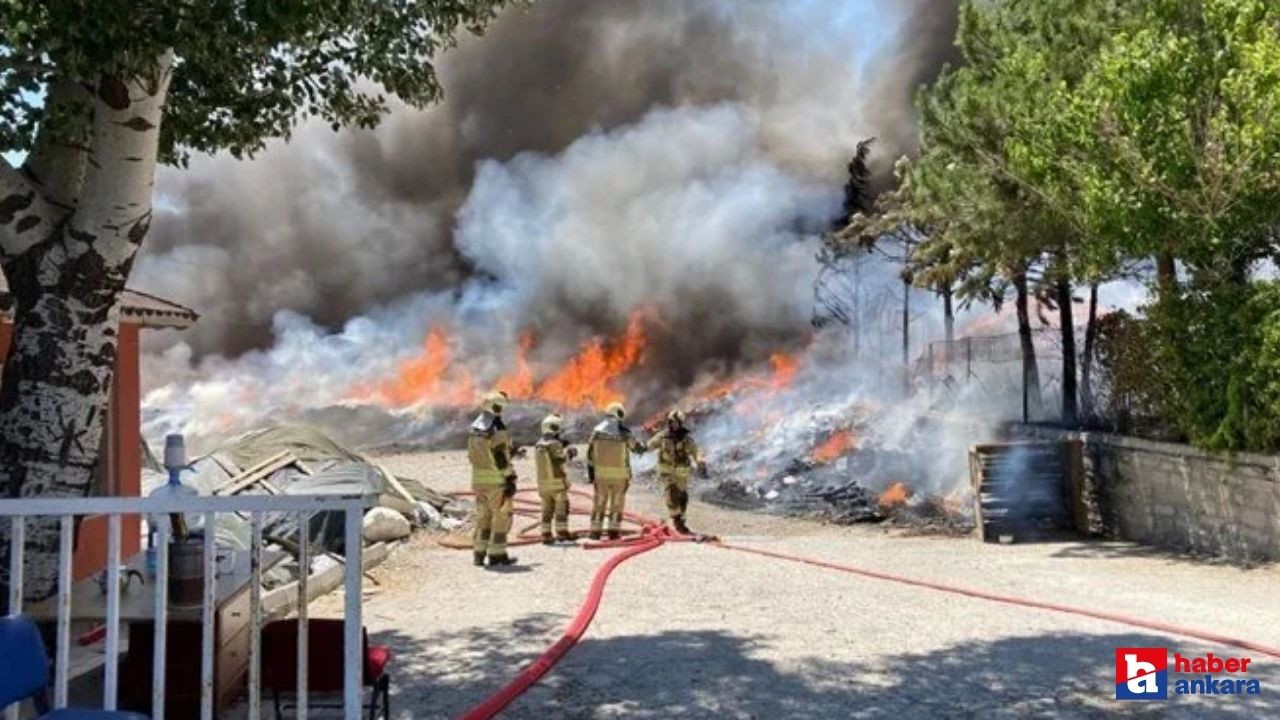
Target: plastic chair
{"x": 324, "y": 664}
{"x": 27, "y": 673}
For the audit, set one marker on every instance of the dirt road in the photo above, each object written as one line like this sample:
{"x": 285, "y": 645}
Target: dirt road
{"x": 694, "y": 631}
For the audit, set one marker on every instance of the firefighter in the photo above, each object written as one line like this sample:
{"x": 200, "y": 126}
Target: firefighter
{"x": 493, "y": 479}
{"x": 677, "y": 459}
{"x": 609, "y": 469}
{"x": 550, "y": 455}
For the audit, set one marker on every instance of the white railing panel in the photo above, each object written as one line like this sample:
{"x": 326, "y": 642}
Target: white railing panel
{"x": 161, "y": 509}
{"x": 255, "y": 617}
{"x": 111, "y": 680}
{"x": 17, "y": 543}
{"x": 161, "y": 616}
{"x": 62, "y": 654}
{"x": 208, "y": 606}
{"x": 353, "y": 628}
{"x": 304, "y": 570}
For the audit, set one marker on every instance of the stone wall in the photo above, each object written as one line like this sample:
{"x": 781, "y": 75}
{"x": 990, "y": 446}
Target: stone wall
{"x": 1178, "y": 497}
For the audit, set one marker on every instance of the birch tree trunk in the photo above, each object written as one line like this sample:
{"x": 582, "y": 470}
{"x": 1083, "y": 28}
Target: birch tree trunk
{"x": 86, "y": 209}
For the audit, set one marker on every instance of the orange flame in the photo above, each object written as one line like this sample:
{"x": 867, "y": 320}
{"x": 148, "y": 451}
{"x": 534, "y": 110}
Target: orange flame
{"x": 894, "y": 496}
{"x": 427, "y": 377}
{"x": 519, "y": 382}
{"x": 840, "y": 442}
{"x": 782, "y": 371}
{"x": 587, "y": 379}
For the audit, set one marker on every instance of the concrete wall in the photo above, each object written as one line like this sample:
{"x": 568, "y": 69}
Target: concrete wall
{"x": 1178, "y": 497}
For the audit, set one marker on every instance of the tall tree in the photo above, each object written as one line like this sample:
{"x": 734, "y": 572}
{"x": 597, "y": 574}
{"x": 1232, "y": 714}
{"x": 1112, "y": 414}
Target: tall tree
{"x": 97, "y": 92}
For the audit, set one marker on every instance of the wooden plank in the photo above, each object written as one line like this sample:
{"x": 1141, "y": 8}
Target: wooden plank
{"x": 257, "y": 473}
{"x": 421, "y": 492}
{"x": 283, "y": 600}
{"x": 393, "y": 484}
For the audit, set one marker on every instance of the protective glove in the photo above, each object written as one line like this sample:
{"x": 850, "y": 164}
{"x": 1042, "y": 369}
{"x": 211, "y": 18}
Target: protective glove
{"x": 509, "y": 489}
{"x": 702, "y": 469}
{"x": 591, "y": 473}
{"x": 572, "y": 452}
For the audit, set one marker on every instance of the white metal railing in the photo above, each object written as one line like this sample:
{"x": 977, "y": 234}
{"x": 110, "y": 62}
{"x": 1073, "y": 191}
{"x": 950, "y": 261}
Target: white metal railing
{"x": 352, "y": 506}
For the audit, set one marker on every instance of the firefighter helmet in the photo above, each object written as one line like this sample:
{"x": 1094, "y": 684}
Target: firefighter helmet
{"x": 676, "y": 416}
{"x": 494, "y": 401}
{"x": 552, "y": 424}
{"x": 616, "y": 409}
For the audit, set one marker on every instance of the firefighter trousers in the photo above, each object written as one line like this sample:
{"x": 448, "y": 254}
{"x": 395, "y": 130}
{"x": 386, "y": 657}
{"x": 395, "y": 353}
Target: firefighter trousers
{"x": 608, "y": 503}
{"x": 493, "y": 521}
{"x": 555, "y": 512}
{"x": 676, "y": 491}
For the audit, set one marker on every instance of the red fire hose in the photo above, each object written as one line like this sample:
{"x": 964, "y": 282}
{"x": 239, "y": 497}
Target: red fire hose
{"x": 1023, "y": 602}
{"x": 653, "y": 534}
{"x": 531, "y": 674}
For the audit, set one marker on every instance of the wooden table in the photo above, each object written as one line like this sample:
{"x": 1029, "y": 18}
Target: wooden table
{"x": 184, "y": 635}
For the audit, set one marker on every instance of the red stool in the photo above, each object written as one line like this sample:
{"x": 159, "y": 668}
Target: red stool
{"x": 324, "y": 664}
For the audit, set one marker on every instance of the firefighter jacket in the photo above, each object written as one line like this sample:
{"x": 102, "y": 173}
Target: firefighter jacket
{"x": 609, "y": 451}
{"x": 677, "y": 452}
{"x": 489, "y": 450}
{"x": 550, "y": 455}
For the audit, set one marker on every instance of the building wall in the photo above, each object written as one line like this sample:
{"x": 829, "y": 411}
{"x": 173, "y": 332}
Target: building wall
{"x": 120, "y": 472}
{"x": 1178, "y": 497}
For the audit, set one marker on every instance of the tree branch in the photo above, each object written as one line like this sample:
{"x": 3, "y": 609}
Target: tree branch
{"x": 114, "y": 210}
{"x": 58, "y": 157}
{"x": 25, "y": 216}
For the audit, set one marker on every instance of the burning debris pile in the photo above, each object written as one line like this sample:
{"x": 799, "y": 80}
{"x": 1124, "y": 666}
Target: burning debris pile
{"x": 778, "y": 443}
{"x": 836, "y": 481}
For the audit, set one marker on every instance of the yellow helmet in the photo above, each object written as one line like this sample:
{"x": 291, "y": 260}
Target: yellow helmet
{"x": 552, "y": 424}
{"x": 494, "y": 401}
{"x": 676, "y": 416}
{"x": 616, "y": 409}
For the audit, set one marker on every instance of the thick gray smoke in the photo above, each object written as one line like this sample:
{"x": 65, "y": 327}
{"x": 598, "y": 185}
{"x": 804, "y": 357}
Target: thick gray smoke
{"x": 591, "y": 160}
{"x": 331, "y": 226}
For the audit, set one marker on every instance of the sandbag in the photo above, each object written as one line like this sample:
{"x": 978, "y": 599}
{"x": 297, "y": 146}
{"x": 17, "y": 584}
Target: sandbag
{"x": 384, "y": 525}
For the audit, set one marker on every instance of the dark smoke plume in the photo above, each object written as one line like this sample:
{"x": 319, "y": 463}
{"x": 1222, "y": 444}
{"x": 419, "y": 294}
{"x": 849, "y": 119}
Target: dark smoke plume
{"x": 331, "y": 226}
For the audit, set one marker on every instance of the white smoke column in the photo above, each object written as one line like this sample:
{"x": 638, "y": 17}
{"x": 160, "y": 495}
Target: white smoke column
{"x": 681, "y": 207}
{"x": 331, "y": 225}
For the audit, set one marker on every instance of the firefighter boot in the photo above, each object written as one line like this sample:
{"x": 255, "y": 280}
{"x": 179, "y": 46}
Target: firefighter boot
{"x": 501, "y": 560}
{"x": 548, "y": 538}
{"x": 681, "y": 528}
{"x": 478, "y": 559}
{"x": 614, "y": 534}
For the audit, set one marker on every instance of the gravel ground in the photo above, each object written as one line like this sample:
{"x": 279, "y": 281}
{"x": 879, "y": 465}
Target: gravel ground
{"x": 695, "y": 631}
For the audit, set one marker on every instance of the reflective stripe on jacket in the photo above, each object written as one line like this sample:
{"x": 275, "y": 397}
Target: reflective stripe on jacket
{"x": 550, "y": 455}
{"x": 489, "y": 450}
{"x": 609, "y": 451}
{"x": 677, "y": 454}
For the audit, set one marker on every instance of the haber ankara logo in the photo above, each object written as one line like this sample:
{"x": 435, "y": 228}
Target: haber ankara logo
{"x": 1142, "y": 674}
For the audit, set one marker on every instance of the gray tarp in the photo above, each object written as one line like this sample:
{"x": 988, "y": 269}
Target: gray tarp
{"x": 330, "y": 468}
